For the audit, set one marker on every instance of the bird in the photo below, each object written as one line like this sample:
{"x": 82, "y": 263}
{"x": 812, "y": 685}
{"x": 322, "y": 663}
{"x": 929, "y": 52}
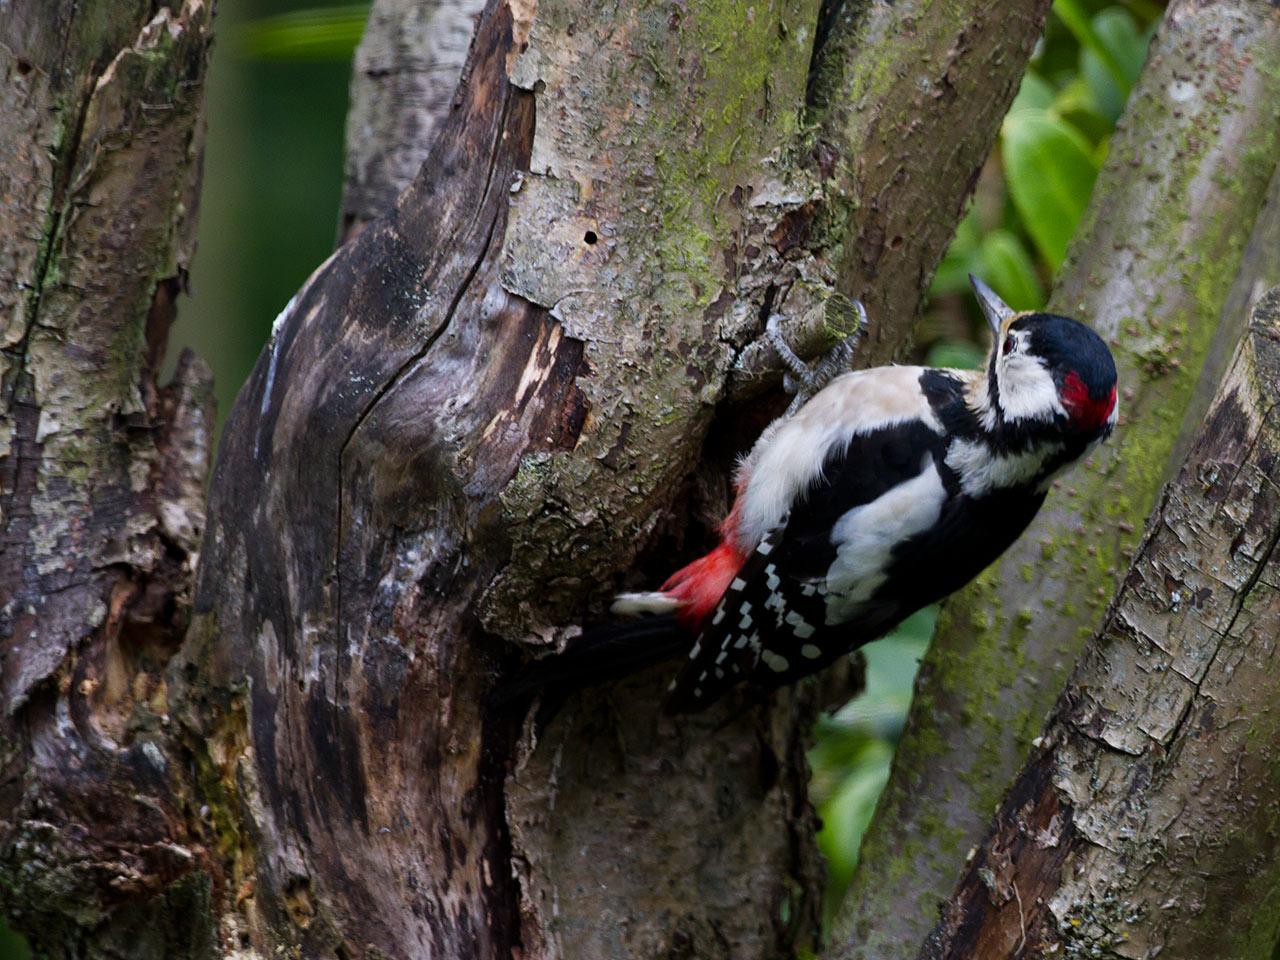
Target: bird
{"x": 880, "y": 492}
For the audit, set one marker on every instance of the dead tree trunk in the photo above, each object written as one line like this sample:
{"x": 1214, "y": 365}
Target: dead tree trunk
{"x": 101, "y": 474}
{"x": 1180, "y": 236}
{"x": 480, "y": 413}
{"x": 1144, "y": 822}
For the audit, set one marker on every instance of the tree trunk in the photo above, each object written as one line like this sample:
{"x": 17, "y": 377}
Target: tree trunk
{"x": 1144, "y": 822}
{"x": 1152, "y": 267}
{"x": 480, "y": 413}
{"x": 101, "y": 474}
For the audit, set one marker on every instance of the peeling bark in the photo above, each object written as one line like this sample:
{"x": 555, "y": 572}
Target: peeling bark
{"x": 1144, "y": 822}
{"x": 101, "y": 472}
{"x": 1160, "y": 257}
{"x": 478, "y": 415}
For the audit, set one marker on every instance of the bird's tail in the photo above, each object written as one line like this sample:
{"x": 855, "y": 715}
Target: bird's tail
{"x": 608, "y": 652}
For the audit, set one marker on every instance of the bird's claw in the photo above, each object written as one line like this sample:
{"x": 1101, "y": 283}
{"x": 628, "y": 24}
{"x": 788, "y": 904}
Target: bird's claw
{"x": 800, "y": 379}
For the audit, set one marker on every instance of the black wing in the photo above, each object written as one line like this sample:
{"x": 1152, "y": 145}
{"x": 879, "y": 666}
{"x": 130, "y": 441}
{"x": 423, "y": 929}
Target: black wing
{"x": 770, "y": 626}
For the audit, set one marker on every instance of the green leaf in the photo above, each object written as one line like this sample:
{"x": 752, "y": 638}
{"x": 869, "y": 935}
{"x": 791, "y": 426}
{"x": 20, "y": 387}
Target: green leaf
{"x": 1112, "y": 67}
{"x": 320, "y": 33}
{"x": 955, "y": 355}
{"x": 847, "y": 813}
{"x": 1008, "y": 267}
{"x": 1078, "y": 106}
{"x": 1076, "y": 17}
{"x": 1049, "y": 168}
{"x": 1035, "y": 93}
{"x": 952, "y": 275}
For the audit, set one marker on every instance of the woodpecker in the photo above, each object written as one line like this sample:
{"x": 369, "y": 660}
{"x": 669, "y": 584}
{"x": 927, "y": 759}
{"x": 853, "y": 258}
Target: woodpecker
{"x": 885, "y": 491}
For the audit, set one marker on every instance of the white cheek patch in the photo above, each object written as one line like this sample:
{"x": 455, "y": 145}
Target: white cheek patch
{"x": 982, "y": 471}
{"x": 1026, "y": 389}
{"x": 865, "y": 537}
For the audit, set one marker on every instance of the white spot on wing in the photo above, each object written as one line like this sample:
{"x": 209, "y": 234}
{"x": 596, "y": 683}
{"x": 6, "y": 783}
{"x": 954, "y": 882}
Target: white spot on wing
{"x": 866, "y": 535}
{"x": 775, "y": 662}
{"x": 810, "y": 651}
{"x": 791, "y": 452}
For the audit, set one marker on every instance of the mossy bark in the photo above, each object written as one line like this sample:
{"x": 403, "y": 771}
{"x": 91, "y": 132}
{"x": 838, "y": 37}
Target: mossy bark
{"x": 101, "y": 474}
{"x": 1144, "y": 822}
{"x": 1160, "y": 253}
{"x": 521, "y": 388}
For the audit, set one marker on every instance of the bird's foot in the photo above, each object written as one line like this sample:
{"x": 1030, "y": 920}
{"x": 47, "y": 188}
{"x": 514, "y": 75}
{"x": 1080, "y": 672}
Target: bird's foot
{"x": 801, "y": 380}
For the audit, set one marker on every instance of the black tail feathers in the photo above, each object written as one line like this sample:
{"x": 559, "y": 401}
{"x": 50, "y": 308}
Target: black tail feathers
{"x": 608, "y": 652}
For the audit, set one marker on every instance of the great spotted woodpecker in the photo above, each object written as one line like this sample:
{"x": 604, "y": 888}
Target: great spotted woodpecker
{"x": 887, "y": 490}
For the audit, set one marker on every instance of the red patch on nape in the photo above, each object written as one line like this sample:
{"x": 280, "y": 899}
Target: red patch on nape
{"x": 1086, "y": 413}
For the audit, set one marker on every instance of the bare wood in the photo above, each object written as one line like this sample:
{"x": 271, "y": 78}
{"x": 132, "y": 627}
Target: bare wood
{"x": 1155, "y": 264}
{"x": 101, "y": 472}
{"x": 1143, "y": 823}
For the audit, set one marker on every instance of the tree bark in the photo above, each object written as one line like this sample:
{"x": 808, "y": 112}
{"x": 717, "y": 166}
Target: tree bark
{"x": 405, "y": 74}
{"x": 101, "y": 474}
{"x": 481, "y": 412}
{"x": 1152, "y": 267}
{"x": 1144, "y": 822}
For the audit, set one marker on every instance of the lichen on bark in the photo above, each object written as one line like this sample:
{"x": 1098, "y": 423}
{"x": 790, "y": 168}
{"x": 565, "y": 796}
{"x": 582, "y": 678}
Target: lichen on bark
{"x": 101, "y": 471}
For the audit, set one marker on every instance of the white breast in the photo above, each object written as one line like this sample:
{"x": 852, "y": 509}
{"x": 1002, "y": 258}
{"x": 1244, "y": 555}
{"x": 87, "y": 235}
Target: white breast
{"x": 789, "y": 455}
{"x": 865, "y": 537}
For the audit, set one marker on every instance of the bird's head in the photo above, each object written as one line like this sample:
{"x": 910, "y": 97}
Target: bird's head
{"x": 1047, "y": 371}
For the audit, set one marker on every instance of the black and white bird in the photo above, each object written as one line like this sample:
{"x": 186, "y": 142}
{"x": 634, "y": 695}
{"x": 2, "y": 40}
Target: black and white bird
{"x": 887, "y": 490}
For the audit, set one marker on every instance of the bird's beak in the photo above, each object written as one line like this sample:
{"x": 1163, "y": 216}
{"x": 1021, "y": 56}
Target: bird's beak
{"x": 996, "y": 310}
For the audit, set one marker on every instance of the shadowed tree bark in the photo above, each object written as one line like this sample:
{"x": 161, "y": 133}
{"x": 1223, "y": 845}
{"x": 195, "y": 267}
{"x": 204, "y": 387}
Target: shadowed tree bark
{"x": 1164, "y": 265}
{"x": 1143, "y": 823}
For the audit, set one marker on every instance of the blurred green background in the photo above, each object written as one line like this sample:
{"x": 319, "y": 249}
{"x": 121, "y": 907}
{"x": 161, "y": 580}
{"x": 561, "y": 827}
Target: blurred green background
{"x": 269, "y": 215}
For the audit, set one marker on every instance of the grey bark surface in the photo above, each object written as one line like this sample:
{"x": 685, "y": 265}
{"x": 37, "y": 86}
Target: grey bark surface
{"x": 403, "y": 81}
{"x": 480, "y": 414}
{"x": 1143, "y": 824}
{"x": 1163, "y": 253}
{"x": 101, "y": 474}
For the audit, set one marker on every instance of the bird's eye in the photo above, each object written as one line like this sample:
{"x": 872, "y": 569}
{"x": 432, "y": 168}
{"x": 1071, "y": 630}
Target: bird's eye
{"x": 1010, "y": 344}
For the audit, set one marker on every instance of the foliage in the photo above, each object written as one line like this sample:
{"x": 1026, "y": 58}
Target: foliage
{"x": 1052, "y": 144}
{"x": 321, "y": 33}
{"x": 854, "y": 747}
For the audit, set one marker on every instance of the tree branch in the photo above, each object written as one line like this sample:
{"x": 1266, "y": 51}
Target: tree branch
{"x": 1151, "y": 269}
{"x": 469, "y": 424}
{"x": 1143, "y": 823}
{"x": 403, "y": 82}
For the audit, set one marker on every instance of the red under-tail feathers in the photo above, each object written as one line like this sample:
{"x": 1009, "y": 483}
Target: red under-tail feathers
{"x": 698, "y": 587}
{"x": 613, "y": 650}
